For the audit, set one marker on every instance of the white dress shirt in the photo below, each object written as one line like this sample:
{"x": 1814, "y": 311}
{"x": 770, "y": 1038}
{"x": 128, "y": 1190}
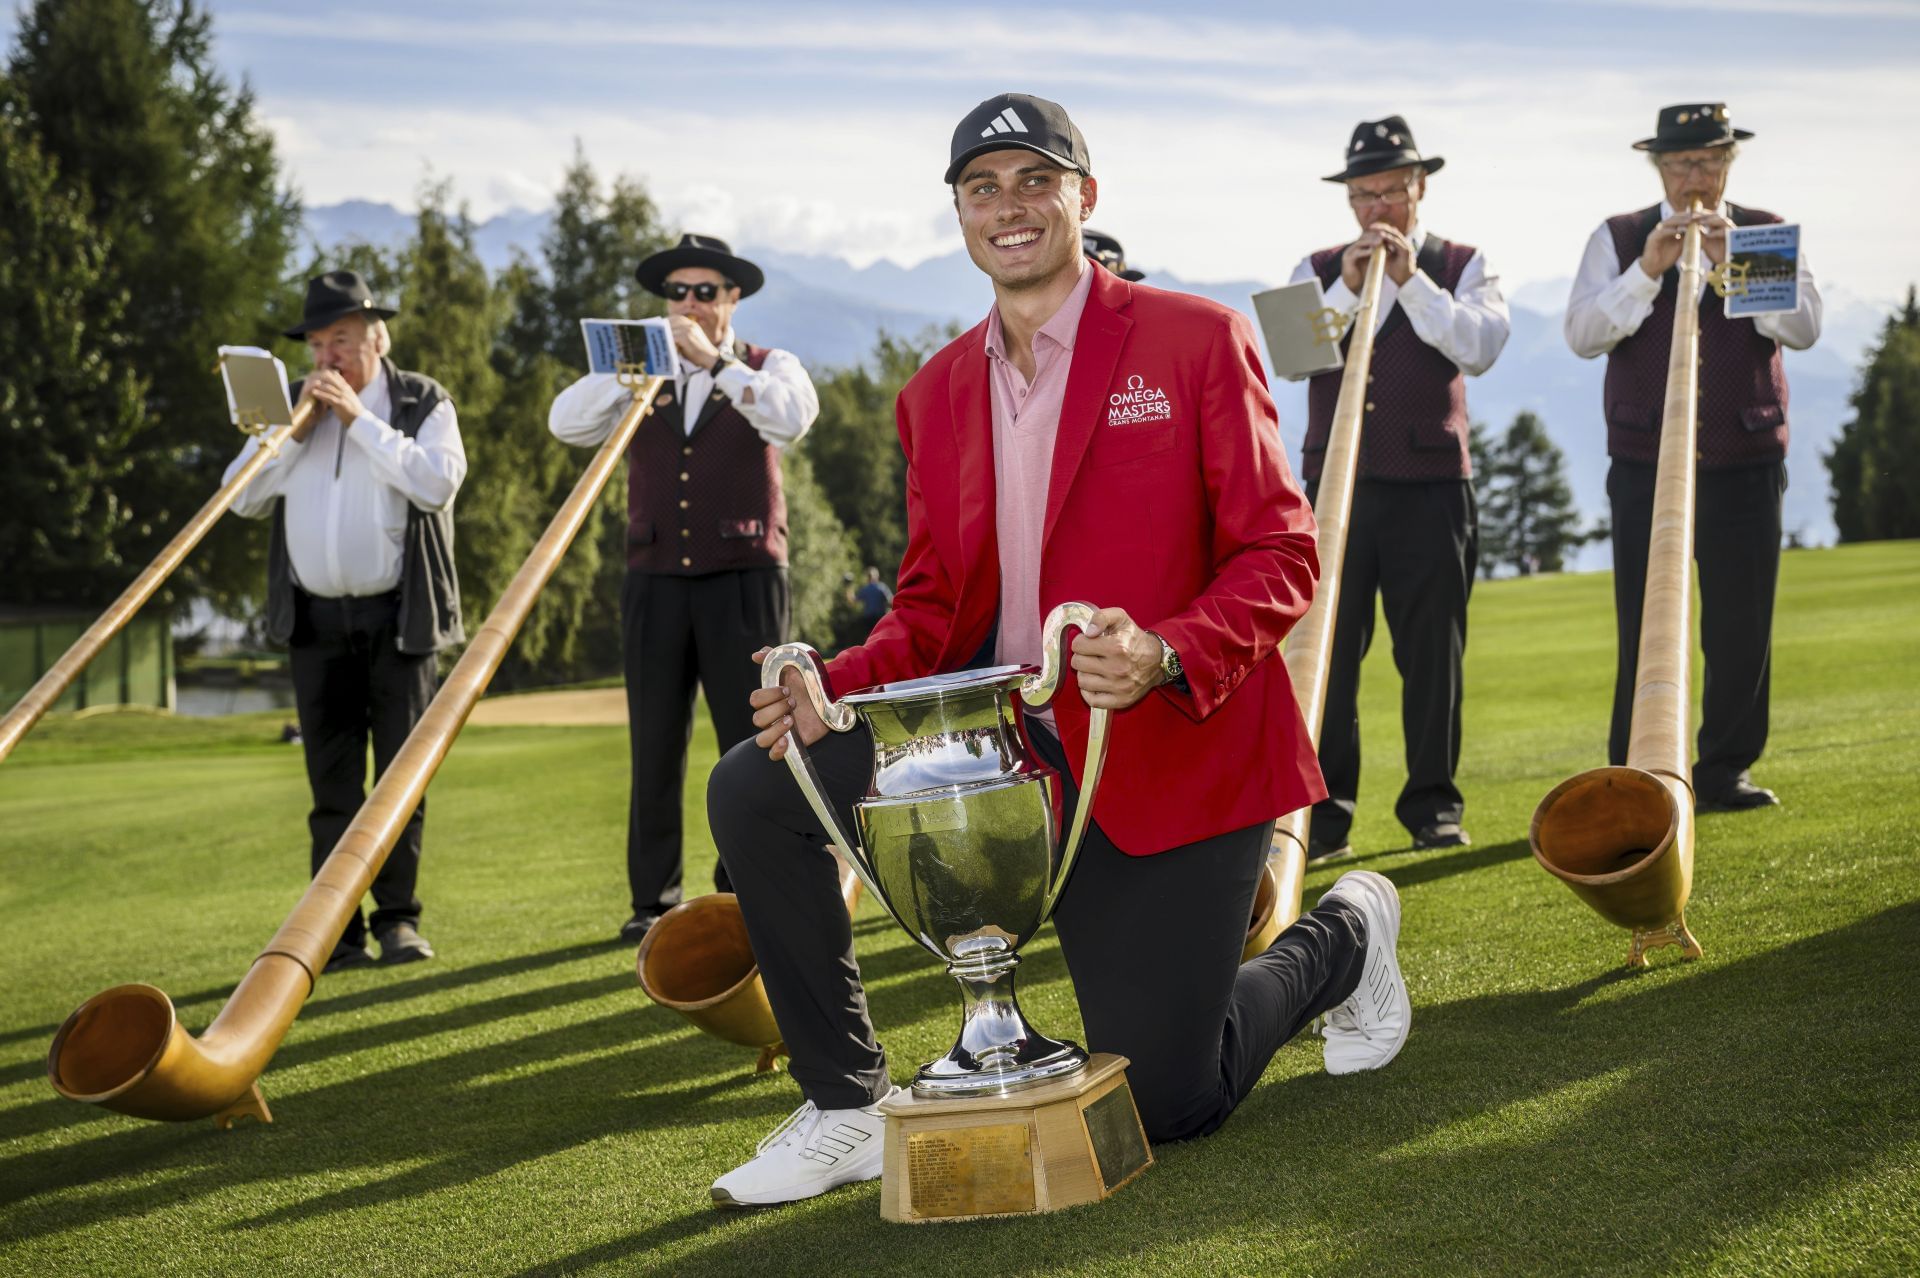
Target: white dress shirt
{"x": 1608, "y": 305}
{"x": 783, "y": 407}
{"x": 347, "y": 489}
{"x": 1469, "y": 326}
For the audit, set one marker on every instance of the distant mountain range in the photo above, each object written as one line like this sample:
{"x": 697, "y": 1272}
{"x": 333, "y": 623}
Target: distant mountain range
{"x": 829, "y": 313}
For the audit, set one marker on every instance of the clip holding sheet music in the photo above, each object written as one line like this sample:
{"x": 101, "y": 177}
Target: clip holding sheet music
{"x": 631, "y": 350}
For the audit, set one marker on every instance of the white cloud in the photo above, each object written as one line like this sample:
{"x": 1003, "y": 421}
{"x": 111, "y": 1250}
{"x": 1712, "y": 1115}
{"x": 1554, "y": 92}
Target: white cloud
{"x": 1209, "y": 138}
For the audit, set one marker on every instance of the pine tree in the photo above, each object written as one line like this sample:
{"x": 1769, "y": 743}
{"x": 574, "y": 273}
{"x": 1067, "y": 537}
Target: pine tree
{"x": 1874, "y": 467}
{"x": 1529, "y": 521}
{"x": 70, "y": 401}
{"x": 179, "y": 179}
{"x": 1480, "y": 454}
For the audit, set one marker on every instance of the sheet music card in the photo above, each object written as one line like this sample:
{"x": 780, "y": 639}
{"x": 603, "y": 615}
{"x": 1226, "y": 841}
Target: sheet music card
{"x": 257, "y": 395}
{"x": 613, "y": 342}
{"x": 1763, "y": 267}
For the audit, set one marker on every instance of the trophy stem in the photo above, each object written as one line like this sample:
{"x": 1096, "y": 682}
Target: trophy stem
{"x": 997, "y": 1051}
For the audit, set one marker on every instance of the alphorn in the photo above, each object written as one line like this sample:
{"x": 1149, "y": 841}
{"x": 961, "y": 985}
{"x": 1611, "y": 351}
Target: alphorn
{"x": 126, "y": 1050}
{"x": 47, "y": 689}
{"x": 696, "y": 960}
{"x": 1309, "y": 652}
{"x": 1622, "y": 838}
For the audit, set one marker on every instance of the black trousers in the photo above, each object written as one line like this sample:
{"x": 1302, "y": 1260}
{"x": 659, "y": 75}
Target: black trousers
{"x": 680, "y": 634}
{"x": 352, "y": 685}
{"x": 1417, "y": 546}
{"x": 1737, "y": 546}
{"x": 1197, "y": 1026}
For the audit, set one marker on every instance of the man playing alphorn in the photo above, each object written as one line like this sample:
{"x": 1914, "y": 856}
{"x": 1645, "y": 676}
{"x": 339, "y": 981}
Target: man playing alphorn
{"x": 1414, "y": 535}
{"x": 360, "y": 582}
{"x": 1033, "y": 478}
{"x": 1622, "y": 306}
{"x": 706, "y": 579}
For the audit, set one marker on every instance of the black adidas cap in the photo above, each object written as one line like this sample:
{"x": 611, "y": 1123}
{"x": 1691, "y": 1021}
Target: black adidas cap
{"x": 1022, "y": 120}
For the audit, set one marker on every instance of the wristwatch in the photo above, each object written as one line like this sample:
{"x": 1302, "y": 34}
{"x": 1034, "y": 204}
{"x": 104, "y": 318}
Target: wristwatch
{"x": 1170, "y": 665}
{"x": 720, "y": 363}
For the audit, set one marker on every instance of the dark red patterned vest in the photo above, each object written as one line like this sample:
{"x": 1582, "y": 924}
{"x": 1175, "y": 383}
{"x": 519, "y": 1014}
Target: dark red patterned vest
{"x": 1415, "y": 427}
{"x": 1743, "y": 388}
{"x": 707, "y": 501}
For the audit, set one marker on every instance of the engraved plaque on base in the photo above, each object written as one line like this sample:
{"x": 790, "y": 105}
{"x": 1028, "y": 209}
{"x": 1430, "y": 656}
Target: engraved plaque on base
{"x": 1068, "y": 1142}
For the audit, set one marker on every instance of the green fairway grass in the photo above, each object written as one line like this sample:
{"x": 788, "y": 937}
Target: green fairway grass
{"x": 517, "y": 1107}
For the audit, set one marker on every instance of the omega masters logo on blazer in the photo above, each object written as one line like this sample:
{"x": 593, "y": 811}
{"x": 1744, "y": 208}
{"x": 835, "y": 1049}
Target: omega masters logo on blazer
{"x": 1138, "y": 403}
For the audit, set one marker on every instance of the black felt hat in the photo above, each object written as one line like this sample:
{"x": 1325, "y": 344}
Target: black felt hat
{"x": 334, "y": 296}
{"x": 1106, "y": 250}
{"x": 1379, "y": 145}
{"x": 709, "y": 251}
{"x": 1018, "y": 120}
{"x": 1692, "y": 126}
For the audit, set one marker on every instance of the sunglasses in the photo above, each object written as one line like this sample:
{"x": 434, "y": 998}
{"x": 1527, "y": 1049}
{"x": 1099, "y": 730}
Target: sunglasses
{"x": 677, "y": 291}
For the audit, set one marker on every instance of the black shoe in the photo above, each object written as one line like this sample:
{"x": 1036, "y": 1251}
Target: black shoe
{"x": 1325, "y": 852}
{"x": 1441, "y": 834}
{"x": 400, "y": 943}
{"x": 1738, "y": 797}
{"x": 345, "y": 956}
{"x": 634, "y": 930}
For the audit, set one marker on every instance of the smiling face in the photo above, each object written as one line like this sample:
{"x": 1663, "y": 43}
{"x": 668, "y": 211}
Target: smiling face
{"x": 1021, "y": 215}
{"x": 713, "y": 317}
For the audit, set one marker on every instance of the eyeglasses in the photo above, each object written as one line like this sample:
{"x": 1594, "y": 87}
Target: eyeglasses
{"x": 1711, "y": 165}
{"x": 676, "y": 291}
{"x": 1397, "y": 196}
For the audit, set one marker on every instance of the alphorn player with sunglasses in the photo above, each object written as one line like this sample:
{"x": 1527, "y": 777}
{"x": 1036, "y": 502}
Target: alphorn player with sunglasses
{"x": 1622, "y": 306}
{"x": 1414, "y": 535}
{"x": 706, "y": 583}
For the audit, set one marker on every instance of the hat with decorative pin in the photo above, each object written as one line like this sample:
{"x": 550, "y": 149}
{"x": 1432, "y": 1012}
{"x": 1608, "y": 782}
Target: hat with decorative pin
{"x": 1379, "y": 145}
{"x": 1018, "y": 120}
{"x": 334, "y": 296}
{"x": 1104, "y": 249}
{"x": 1692, "y": 126}
{"x": 709, "y": 251}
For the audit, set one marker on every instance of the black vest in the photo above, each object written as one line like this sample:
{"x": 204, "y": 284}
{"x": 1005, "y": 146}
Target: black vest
{"x": 429, "y": 588}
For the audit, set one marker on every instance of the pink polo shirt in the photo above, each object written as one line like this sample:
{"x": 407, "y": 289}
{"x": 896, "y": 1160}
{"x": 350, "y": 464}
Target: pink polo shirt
{"x": 1026, "y": 420}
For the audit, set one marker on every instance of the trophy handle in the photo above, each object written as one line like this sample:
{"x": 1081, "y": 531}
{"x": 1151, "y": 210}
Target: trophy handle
{"x": 1037, "y": 690}
{"x": 840, "y": 718}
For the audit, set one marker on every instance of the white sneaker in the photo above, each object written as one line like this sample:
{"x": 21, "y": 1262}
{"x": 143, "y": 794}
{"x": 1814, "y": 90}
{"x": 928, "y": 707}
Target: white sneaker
{"x": 1367, "y": 1030}
{"x": 813, "y": 1151}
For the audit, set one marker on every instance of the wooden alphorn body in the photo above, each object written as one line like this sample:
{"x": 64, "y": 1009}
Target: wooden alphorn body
{"x": 47, "y": 689}
{"x": 1309, "y": 652}
{"x": 1622, "y": 838}
{"x": 125, "y": 1048}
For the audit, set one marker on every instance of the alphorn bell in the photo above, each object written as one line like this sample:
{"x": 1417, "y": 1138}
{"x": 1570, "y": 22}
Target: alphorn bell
{"x": 125, "y": 1048}
{"x": 1309, "y": 652}
{"x": 1622, "y": 838}
{"x": 47, "y": 689}
{"x": 696, "y": 960}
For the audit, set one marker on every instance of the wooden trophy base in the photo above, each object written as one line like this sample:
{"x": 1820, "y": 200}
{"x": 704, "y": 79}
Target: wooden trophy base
{"x": 1071, "y": 1141}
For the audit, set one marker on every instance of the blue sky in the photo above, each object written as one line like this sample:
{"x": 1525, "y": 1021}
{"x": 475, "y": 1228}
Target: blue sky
{"x": 1209, "y": 124}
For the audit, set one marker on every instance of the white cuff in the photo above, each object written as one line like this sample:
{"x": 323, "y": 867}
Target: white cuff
{"x": 735, "y": 379}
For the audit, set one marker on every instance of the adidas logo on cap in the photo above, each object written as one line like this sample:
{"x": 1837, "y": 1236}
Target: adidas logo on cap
{"x": 1005, "y": 122}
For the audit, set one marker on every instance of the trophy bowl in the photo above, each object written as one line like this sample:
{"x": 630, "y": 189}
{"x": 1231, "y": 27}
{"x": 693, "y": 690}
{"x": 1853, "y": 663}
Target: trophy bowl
{"x": 959, "y": 839}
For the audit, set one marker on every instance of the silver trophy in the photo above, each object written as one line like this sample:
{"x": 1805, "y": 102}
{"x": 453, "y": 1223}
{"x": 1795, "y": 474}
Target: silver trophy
{"x": 959, "y": 838}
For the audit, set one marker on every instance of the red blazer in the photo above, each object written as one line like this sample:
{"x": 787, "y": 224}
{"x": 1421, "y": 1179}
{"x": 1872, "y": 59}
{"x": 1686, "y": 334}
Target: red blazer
{"x": 1170, "y": 497}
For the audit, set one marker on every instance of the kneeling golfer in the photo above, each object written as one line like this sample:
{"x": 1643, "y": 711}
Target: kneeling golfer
{"x": 1095, "y": 439}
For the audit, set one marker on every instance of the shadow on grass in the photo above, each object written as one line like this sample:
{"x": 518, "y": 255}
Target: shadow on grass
{"x": 1432, "y": 868}
{"x": 1626, "y": 1123}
